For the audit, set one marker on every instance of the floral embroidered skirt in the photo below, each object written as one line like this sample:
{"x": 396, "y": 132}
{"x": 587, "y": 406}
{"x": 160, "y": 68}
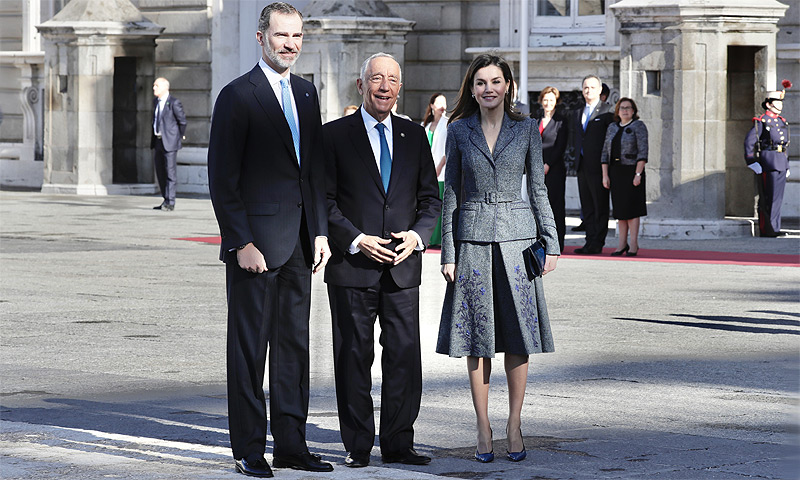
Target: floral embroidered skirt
{"x": 492, "y": 306}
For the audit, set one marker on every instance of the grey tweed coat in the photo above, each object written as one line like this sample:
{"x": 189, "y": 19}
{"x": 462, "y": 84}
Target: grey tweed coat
{"x": 486, "y": 225}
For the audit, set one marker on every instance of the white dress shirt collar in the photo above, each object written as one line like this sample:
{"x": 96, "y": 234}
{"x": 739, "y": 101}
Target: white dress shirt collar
{"x": 273, "y": 77}
{"x": 370, "y": 122}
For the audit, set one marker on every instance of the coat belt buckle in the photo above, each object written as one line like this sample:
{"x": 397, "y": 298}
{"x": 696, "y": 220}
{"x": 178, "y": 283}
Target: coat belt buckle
{"x": 490, "y": 197}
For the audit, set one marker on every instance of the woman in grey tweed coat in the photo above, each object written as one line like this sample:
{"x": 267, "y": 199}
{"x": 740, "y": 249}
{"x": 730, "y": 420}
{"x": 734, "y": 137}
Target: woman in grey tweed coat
{"x": 490, "y": 305}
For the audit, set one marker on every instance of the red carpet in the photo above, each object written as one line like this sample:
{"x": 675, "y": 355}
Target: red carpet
{"x": 695, "y": 256}
{"x": 648, "y": 255}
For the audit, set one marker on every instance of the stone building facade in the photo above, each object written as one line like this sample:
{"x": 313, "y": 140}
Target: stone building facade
{"x": 206, "y": 43}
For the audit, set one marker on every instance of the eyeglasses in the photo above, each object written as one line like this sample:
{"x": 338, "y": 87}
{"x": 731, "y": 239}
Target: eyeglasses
{"x": 626, "y": 108}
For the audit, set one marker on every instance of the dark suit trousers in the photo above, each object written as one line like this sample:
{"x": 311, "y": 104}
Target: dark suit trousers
{"x": 594, "y": 206}
{"x": 555, "y": 181}
{"x": 354, "y": 311}
{"x": 771, "y": 185}
{"x": 272, "y": 309}
{"x": 166, "y": 164}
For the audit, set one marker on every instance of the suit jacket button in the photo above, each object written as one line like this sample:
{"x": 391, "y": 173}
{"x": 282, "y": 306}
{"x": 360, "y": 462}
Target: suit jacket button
{"x": 386, "y": 207}
{"x": 386, "y": 234}
{"x": 300, "y": 205}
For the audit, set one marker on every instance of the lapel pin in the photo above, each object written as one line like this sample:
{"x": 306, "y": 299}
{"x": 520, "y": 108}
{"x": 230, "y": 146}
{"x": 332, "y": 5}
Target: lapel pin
{"x": 306, "y": 94}
{"x": 402, "y": 134}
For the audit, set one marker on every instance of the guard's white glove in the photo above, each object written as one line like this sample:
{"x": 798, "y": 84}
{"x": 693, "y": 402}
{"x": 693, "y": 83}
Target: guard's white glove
{"x": 756, "y": 167}
{"x": 788, "y": 173}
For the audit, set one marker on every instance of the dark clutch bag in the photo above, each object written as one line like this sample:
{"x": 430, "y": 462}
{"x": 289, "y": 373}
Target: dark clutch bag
{"x": 534, "y": 257}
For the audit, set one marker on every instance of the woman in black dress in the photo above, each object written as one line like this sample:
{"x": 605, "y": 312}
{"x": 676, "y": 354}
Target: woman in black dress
{"x": 553, "y": 129}
{"x": 623, "y": 160}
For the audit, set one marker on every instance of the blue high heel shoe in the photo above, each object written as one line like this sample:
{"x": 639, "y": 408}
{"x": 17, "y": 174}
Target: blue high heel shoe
{"x": 518, "y": 456}
{"x": 485, "y": 457}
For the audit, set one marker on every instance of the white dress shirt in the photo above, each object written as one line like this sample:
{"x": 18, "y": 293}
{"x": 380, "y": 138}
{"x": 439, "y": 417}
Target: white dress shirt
{"x": 375, "y": 142}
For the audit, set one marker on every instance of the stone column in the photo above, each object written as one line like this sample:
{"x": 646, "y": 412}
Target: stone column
{"x": 673, "y": 63}
{"x": 81, "y": 44}
{"x": 338, "y": 39}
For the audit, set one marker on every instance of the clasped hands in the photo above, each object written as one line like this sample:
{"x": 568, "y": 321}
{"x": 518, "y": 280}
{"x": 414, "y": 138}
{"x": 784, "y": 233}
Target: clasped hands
{"x": 637, "y": 180}
{"x": 251, "y": 259}
{"x": 373, "y": 247}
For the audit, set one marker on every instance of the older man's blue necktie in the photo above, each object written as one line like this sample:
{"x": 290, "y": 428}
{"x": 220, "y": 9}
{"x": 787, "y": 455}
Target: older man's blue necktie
{"x": 386, "y": 157}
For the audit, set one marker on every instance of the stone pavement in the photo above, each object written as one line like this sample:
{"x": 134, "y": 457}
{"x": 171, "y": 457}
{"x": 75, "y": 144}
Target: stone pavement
{"x": 112, "y": 359}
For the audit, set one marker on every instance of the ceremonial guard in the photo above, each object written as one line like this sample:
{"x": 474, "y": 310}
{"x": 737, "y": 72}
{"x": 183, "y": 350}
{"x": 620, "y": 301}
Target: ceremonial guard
{"x": 766, "y": 153}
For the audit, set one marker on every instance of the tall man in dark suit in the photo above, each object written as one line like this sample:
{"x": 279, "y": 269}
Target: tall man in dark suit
{"x": 266, "y": 178}
{"x": 383, "y": 200}
{"x": 588, "y": 126}
{"x": 169, "y": 126}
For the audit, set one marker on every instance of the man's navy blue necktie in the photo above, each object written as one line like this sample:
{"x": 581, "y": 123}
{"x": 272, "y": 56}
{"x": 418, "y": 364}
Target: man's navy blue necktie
{"x": 287, "y": 112}
{"x": 386, "y": 157}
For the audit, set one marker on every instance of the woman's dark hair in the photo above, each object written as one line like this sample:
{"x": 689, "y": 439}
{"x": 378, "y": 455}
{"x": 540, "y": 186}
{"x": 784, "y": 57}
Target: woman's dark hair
{"x": 466, "y": 105}
{"x": 428, "y": 118}
{"x": 633, "y": 104}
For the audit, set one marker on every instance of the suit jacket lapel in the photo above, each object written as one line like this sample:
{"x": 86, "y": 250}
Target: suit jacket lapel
{"x": 478, "y": 139}
{"x": 358, "y": 135}
{"x": 269, "y": 103}
{"x": 599, "y": 109}
{"x": 399, "y": 149}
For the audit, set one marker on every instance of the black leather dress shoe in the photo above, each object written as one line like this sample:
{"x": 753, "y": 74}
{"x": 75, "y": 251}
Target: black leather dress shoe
{"x": 579, "y": 228}
{"x": 258, "y": 468}
{"x": 407, "y": 457}
{"x": 357, "y": 459}
{"x": 160, "y": 206}
{"x": 587, "y": 250}
{"x": 302, "y": 461}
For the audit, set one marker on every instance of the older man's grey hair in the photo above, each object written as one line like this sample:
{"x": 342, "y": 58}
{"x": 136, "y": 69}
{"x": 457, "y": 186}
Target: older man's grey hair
{"x": 277, "y": 7}
{"x": 365, "y": 65}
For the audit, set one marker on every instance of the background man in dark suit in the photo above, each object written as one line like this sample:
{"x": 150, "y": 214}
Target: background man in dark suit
{"x": 588, "y": 126}
{"x": 266, "y": 178}
{"x": 169, "y": 126}
{"x": 383, "y": 200}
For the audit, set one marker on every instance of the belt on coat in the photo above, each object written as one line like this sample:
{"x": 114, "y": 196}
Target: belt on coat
{"x": 776, "y": 148}
{"x": 493, "y": 197}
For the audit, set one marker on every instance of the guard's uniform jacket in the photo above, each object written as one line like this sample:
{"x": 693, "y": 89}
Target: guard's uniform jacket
{"x": 767, "y": 144}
